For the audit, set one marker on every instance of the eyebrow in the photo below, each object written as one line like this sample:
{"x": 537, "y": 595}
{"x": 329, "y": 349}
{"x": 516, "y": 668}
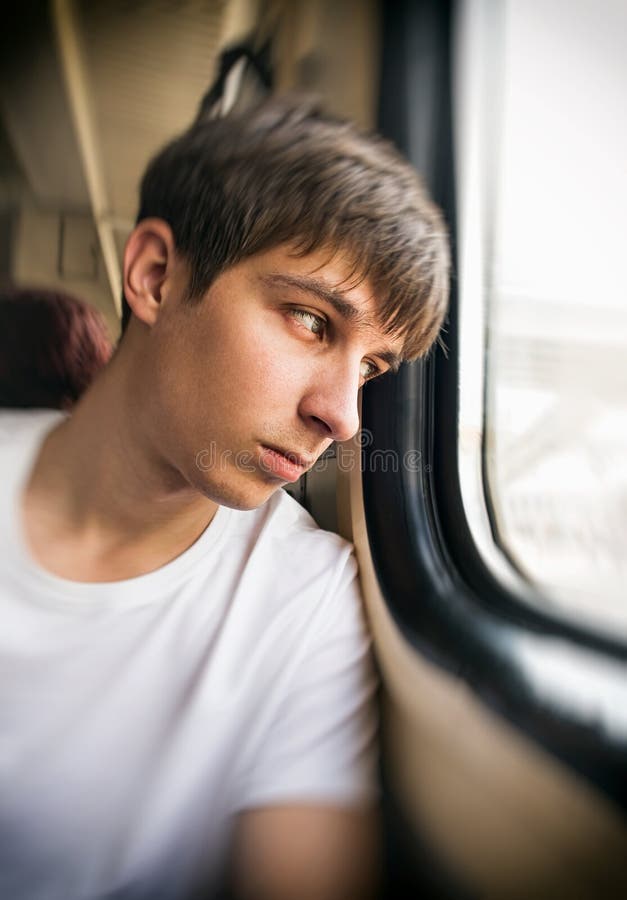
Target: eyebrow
{"x": 343, "y": 307}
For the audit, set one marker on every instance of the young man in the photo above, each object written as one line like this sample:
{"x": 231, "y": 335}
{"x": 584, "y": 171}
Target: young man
{"x": 185, "y": 668}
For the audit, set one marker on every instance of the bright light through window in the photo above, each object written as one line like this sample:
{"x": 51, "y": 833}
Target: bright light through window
{"x": 555, "y": 281}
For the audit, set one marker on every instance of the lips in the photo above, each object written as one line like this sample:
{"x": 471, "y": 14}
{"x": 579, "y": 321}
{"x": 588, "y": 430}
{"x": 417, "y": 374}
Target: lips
{"x": 284, "y": 464}
{"x": 295, "y": 458}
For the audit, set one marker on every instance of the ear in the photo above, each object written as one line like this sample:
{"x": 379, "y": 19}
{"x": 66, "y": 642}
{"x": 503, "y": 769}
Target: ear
{"x": 149, "y": 260}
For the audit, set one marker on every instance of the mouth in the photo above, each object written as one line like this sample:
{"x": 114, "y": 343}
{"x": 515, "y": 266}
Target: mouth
{"x": 284, "y": 464}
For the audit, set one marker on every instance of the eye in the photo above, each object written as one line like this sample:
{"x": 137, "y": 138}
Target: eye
{"x": 369, "y": 370}
{"x": 312, "y": 322}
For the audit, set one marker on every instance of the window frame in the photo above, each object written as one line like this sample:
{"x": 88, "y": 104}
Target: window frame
{"x": 558, "y": 681}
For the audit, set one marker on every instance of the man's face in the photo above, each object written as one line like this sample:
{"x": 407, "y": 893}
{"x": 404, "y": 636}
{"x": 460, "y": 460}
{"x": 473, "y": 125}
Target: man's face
{"x": 249, "y": 386}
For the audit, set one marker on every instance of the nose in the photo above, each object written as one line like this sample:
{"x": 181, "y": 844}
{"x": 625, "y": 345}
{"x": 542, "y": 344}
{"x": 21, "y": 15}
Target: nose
{"x": 330, "y": 401}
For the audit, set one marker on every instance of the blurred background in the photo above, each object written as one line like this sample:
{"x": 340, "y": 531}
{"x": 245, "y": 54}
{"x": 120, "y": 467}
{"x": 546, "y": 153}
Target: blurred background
{"x": 89, "y": 91}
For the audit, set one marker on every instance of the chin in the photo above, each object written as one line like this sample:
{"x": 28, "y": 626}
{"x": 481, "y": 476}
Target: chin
{"x": 247, "y": 496}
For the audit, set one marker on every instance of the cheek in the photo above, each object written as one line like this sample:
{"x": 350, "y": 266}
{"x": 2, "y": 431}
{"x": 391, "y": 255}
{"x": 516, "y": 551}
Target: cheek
{"x": 230, "y": 378}
{"x": 263, "y": 368}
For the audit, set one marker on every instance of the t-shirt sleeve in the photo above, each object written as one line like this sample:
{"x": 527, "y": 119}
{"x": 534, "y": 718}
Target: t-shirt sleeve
{"x": 320, "y": 746}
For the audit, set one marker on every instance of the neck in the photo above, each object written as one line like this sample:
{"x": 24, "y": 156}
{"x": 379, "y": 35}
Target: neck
{"x": 100, "y": 488}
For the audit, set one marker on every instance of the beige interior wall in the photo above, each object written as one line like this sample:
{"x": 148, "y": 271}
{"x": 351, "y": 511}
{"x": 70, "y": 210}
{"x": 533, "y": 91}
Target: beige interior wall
{"x": 330, "y": 47}
{"x": 61, "y": 251}
{"x": 85, "y": 105}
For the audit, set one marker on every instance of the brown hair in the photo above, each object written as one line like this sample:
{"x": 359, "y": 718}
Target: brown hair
{"x": 285, "y": 173}
{"x": 52, "y": 345}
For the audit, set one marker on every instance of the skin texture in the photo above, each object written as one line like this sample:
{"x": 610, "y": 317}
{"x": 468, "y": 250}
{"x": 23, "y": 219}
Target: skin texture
{"x": 273, "y": 356}
{"x": 251, "y": 372}
{"x": 306, "y": 853}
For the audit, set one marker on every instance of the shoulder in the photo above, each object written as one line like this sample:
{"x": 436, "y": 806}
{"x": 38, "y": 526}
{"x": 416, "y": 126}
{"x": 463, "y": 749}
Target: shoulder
{"x": 290, "y": 531}
{"x": 317, "y": 677}
{"x": 293, "y": 520}
{"x": 18, "y": 423}
{"x": 21, "y": 426}
{"x": 301, "y": 571}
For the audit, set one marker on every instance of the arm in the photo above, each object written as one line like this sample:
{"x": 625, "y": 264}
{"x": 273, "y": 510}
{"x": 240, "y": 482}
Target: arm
{"x": 306, "y": 853}
{"x": 306, "y": 827}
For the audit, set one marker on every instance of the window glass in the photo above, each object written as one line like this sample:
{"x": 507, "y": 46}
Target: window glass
{"x": 555, "y": 200}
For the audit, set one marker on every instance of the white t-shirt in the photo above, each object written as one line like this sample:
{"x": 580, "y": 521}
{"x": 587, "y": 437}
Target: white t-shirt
{"x": 137, "y": 717}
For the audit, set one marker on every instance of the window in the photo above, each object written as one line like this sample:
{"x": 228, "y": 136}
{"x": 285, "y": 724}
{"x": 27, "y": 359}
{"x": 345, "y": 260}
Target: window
{"x": 451, "y": 566}
{"x": 542, "y": 140}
